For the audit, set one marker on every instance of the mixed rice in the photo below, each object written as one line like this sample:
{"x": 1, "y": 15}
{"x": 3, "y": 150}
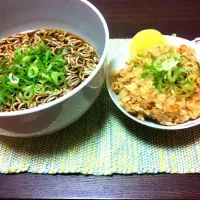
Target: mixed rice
{"x": 162, "y": 84}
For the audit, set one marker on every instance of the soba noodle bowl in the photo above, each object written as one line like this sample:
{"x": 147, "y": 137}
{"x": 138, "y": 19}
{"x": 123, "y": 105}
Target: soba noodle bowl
{"x": 40, "y": 66}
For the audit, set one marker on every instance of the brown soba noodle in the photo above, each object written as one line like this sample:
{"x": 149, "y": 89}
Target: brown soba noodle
{"x": 80, "y": 56}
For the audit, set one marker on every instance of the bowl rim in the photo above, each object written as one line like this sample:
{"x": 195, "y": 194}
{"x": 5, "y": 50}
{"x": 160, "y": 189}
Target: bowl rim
{"x": 155, "y": 125}
{"x": 77, "y": 89}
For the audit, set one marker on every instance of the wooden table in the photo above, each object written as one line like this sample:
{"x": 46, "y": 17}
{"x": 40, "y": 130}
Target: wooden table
{"x": 124, "y": 18}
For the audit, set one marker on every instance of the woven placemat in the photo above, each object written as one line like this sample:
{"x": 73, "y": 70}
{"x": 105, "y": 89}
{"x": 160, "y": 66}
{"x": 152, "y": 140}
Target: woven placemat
{"x": 112, "y": 143}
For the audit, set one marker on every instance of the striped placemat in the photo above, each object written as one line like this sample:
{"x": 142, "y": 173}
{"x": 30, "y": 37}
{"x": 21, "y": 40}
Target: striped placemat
{"x": 102, "y": 142}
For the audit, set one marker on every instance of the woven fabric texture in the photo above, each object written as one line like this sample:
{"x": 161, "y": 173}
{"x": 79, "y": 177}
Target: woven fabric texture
{"x": 112, "y": 143}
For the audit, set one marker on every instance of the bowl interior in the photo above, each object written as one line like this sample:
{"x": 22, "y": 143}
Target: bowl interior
{"x": 72, "y": 15}
{"x": 119, "y": 62}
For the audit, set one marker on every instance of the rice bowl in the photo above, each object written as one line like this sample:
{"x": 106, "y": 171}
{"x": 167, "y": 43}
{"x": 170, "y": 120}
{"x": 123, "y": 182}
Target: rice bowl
{"x": 142, "y": 102}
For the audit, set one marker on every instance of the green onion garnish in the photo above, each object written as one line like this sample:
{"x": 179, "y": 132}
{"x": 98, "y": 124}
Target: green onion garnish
{"x": 33, "y": 71}
{"x": 169, "y": 71}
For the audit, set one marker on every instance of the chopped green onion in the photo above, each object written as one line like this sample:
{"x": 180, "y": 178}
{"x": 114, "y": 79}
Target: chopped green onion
{"x": 39, "y": 89}
{"x": 26, "y": 59}
{"x": 13, "y": 79}
{"x": 145, "y": 75}
{"x": 27, "y": 88}
{"x": 172, "y": 75}
{"x": 58, "y": 51}
{"x": 49, "y": 88}
{"x": 54, "y": 77}
{"x": 170, "y": 72}
{"x": 47, "y": 55}
{"x": 32, "y": 71}
{"x": 46, "y": 37}
{"x": 169, "y": 64}
{"x": 198, "y": 68}
{"x": 45, "y": 76}
{"x": 28, "y": 95}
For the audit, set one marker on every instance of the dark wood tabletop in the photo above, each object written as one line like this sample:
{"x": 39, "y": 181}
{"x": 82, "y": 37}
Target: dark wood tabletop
{"x": 124, "y": 18}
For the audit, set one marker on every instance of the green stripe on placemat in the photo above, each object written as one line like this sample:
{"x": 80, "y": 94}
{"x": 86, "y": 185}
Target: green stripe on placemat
{"x": 112, "y": 143}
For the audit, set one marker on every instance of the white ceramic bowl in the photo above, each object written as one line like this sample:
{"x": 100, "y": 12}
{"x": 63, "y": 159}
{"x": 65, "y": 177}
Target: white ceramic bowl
{"x": 119, "y": 62}
{"x": 76, "y": 16}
